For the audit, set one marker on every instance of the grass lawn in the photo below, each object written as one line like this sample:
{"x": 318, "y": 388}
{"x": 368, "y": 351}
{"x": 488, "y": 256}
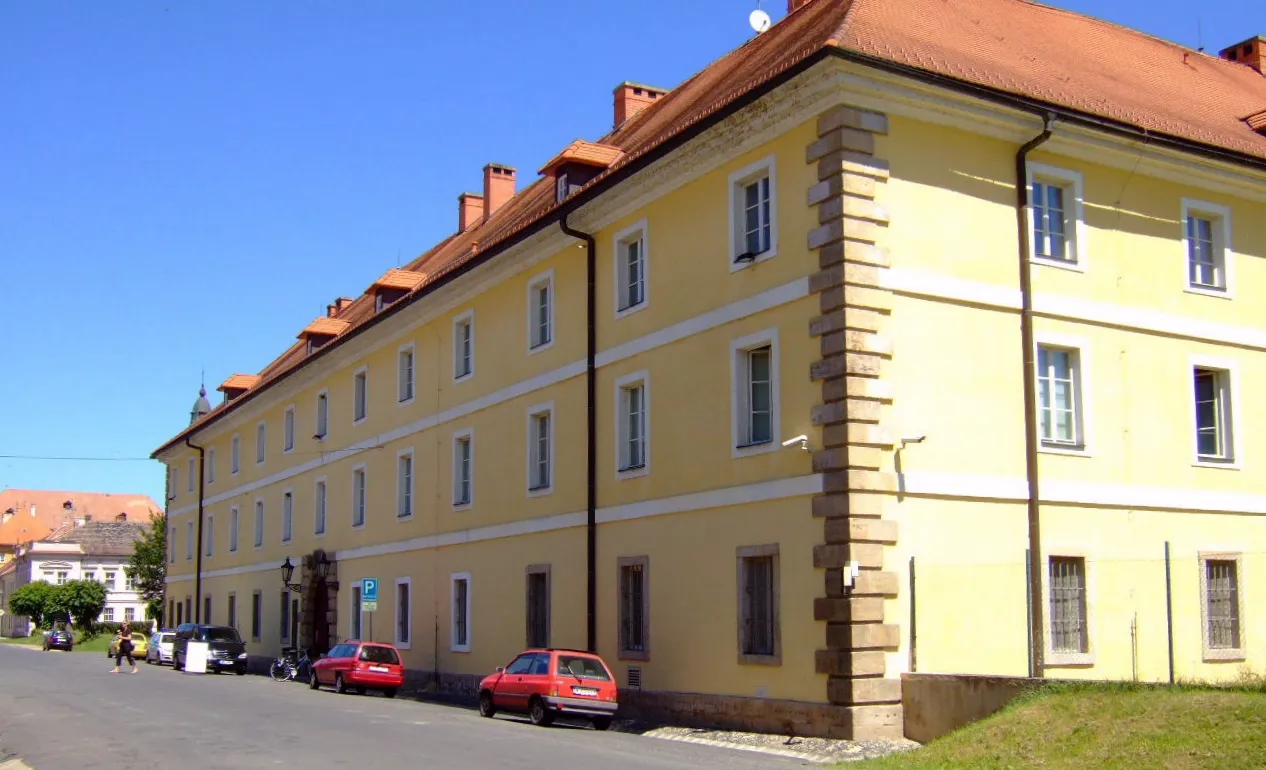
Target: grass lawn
{"x": 98, "y": 644}
{"x": 1107, "y": 726}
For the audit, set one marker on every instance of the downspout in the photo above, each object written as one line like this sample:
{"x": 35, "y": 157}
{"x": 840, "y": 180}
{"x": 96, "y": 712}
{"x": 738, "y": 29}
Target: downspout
{"x": 591, "y": 428}
{"x": 1037, "y": 635}
{"x": 197, "y": 575}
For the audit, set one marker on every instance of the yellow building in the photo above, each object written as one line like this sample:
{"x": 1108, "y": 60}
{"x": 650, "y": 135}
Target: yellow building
{"x": 770, "y": 395}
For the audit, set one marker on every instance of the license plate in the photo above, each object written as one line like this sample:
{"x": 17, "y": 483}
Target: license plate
{"x": 379, "y": 669}
{"x": 226, "y": 663}
{"x": 588, "y": 692}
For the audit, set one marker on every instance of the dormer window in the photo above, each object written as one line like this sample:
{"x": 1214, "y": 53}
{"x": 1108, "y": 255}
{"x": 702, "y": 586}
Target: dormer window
{"x": 578, "y": 164}
{"x": 393, "y": 286}
{"x": 237, "y": 385}
{"x": 321, "y": 331}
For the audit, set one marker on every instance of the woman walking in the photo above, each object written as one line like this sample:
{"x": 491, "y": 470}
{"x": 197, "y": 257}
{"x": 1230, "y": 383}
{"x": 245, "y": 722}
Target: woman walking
{"x": 125, "y": 649}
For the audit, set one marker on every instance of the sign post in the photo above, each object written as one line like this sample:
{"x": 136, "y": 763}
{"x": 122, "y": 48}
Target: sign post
{"x": 369, "y": 601}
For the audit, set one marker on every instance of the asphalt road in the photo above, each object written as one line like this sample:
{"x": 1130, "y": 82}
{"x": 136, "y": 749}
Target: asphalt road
{"x": 64, "y": 710}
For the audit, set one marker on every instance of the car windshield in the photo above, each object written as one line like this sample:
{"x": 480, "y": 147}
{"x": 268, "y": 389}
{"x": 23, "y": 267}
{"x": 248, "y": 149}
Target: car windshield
{"x": 582, "y": 666}
{"x": 375, "y": 654}
{"x": 165, "y": 638}
{"x": 220, "y": 635}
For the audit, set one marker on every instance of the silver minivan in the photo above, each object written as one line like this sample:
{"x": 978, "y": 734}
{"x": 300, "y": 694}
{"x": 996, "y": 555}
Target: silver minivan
{"x": 159, "y": 650}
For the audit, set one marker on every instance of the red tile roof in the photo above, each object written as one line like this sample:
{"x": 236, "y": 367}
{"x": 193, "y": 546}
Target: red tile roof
{"x": 324, "y": 327}
{"x": 399, "y": 279}
{"x": 22, "y": 527}
{"x": 1005, "y": 47}
{"x": 588, "y": 153}
{"x": 239, "y": 382}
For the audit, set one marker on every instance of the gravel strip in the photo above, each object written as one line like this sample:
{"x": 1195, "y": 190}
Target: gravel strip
{"x": 823, "y": 750}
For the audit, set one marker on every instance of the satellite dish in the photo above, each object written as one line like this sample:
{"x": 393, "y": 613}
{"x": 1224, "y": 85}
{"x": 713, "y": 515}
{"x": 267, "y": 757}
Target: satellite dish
{"x": 759, "y": 20}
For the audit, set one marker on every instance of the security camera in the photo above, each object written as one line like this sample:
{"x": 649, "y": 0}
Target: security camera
{"x": 912, "y": 440}
{"x": 803, "y": 441}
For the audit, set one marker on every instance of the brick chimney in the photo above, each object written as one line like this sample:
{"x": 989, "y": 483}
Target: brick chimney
{"x": 632, "y": 98}
{"x": 1251, "y": 53}
{"x": 498, "y": 187}
{"x": 337, "y": 307}
{"x": 793, "y": 5}
{"x": 470, "y": 207}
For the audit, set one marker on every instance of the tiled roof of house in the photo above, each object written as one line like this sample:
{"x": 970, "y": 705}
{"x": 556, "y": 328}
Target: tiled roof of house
{"x": 325, "y": 326}
{"x": 106, "y": 538}
{"x": 589, "y": 153}
{"x": 399, "y": 279}
{"x": 1008, "y": 47}
{"x": 239, "y": 382}
{"x": 21, "y": 526}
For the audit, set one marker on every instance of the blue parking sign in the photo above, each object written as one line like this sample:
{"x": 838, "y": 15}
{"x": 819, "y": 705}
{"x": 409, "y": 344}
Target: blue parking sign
{"x": 369, "y": 589}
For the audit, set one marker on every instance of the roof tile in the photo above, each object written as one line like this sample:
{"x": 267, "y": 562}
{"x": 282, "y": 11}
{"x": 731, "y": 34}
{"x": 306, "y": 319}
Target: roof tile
{"x": 325, "y": 327}
{"x": 239, "y": 382}
{"x": 588, "y": 153}
{"x": 399, "y": 279}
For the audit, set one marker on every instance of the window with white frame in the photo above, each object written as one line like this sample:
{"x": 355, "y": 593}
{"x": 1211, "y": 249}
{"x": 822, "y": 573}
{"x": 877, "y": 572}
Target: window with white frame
{"x": 287, "y": 516}
{"x": 404, "y": 484}
{"x": 1059, "y": 396}
{"x": 107, "y": 614}
{"x": 129, "y": 614}
{"x": 463, "y": 468}
{"x": 259, "y": 523}
{"x": 322, "y": 414}
{"x": 62, "y": 577}
{"x": 233, "y": 527}
{"x": 541, "y": 311}
{"x": 753, "y": 214}
{"x": 632, "y": 419}
{"x": 1212, "y": 391}
{"x": 318, "y": 508}
{"x": 193, "y": 470}
{"x": 288, "y": 430}
{"x": 1068, "y": 627}
{"x": 405, "y": 374}
{"x": 235, "y": 454}
{"x": 755, "y": 389}
{"x": 540, "y": 448}
{"x": 464, "y": 345}
{"x": 1056, "y": 222}
{"x": 208, "y": 537}
{"x": 358, "y": 496}
{"x": 129, "y": 581}
{"x": 189, "y": 540}
{"x": 404, "y": 619}
{"x": 1220, "y": 576}
{"x": 630, "y": 268}
{"x": 261, "y": 442}
{"x": 211, "y": 465}
{"x": 110, "y": 580}
{"x": 1207, "y": 243}
{"x": 759, "y": 638}
{"x": 360, "y": 395}
{"x": 460, "y": 607}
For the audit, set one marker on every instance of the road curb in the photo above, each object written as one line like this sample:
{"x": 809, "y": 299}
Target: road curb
{"x": 815, "y": 758}
{"x": 14, "y": 764}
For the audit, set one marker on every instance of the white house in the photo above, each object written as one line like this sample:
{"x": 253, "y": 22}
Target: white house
{"x": 91, "y": 550}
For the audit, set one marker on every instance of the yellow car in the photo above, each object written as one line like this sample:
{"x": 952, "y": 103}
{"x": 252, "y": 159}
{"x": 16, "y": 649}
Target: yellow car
{"x": 140, "y": 643}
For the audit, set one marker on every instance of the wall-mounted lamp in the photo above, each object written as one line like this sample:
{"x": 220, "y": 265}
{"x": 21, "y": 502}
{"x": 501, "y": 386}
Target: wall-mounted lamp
{"x": 800, "y": 441}
{"x": 911, "y": 440}
{"x": 287, "y": 572}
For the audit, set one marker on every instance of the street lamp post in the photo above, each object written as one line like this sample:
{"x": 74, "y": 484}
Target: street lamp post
{"x": 287, "y": 572}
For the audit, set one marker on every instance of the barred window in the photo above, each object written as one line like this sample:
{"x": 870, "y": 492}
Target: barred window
{"x": 1068, "y": 605}
{"x": 634, "y": 608}
{"x": 1222, "y": 611}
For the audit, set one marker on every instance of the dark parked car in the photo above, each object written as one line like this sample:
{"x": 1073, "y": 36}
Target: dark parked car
{"x": 225, "y": 649}
{"x": 59, "y": 639}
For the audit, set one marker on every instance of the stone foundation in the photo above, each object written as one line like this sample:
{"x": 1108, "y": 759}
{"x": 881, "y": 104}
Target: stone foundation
{"x": 761, "y": 715}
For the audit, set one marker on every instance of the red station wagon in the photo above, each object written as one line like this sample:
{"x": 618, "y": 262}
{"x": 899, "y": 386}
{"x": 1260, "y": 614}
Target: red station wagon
{"x": 545, "y": 684}
{"x": 359, "y": 666}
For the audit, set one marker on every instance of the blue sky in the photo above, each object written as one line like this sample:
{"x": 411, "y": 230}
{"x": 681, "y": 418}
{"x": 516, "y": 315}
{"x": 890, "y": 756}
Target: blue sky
{"x": 184, "y": 185}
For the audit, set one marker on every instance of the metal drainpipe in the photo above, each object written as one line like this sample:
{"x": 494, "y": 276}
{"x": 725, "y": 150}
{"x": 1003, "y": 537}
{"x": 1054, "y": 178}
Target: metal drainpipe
{"x": 197, "y": 575}
{"x": 1037, "y": 636}
{"x": 591, "y": 439}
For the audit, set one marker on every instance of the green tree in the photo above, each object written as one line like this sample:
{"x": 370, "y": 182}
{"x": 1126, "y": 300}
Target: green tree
{"x": 148, "y": 567}
{"x": 35, "y": 601}
{"x": 81, "y": 601}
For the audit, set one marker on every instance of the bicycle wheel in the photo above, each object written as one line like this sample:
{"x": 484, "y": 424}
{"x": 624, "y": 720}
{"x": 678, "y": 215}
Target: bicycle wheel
{"x": 279, "y": 671}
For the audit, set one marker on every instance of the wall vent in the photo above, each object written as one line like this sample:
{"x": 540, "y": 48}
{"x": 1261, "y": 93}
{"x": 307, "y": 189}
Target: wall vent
{"x": 635, "y": 677}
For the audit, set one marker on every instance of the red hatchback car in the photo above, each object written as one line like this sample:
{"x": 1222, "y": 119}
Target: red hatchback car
{"x": 359, "y": 666}
{"x": 545, "y": 684}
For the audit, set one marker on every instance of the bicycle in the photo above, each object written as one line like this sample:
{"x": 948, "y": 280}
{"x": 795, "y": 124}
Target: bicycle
{"x": 288, "y": 667}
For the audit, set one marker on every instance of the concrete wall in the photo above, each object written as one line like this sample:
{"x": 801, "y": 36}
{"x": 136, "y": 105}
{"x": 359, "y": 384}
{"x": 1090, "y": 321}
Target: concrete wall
{"x": 937, "y": 704}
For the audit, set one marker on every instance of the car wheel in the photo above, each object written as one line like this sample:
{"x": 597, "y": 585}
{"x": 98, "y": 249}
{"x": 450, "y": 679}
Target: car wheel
{"x": 313, "y": 682}
{"x": 601, "y": 723}
{"x": 389, "y": 693}
{"x": 486, "y": 708}
{"x": 539, "y": 714}
{"x": 71, "y": 648}
{"x": 339, "y": 686}
{"x": 240, "y": 671}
